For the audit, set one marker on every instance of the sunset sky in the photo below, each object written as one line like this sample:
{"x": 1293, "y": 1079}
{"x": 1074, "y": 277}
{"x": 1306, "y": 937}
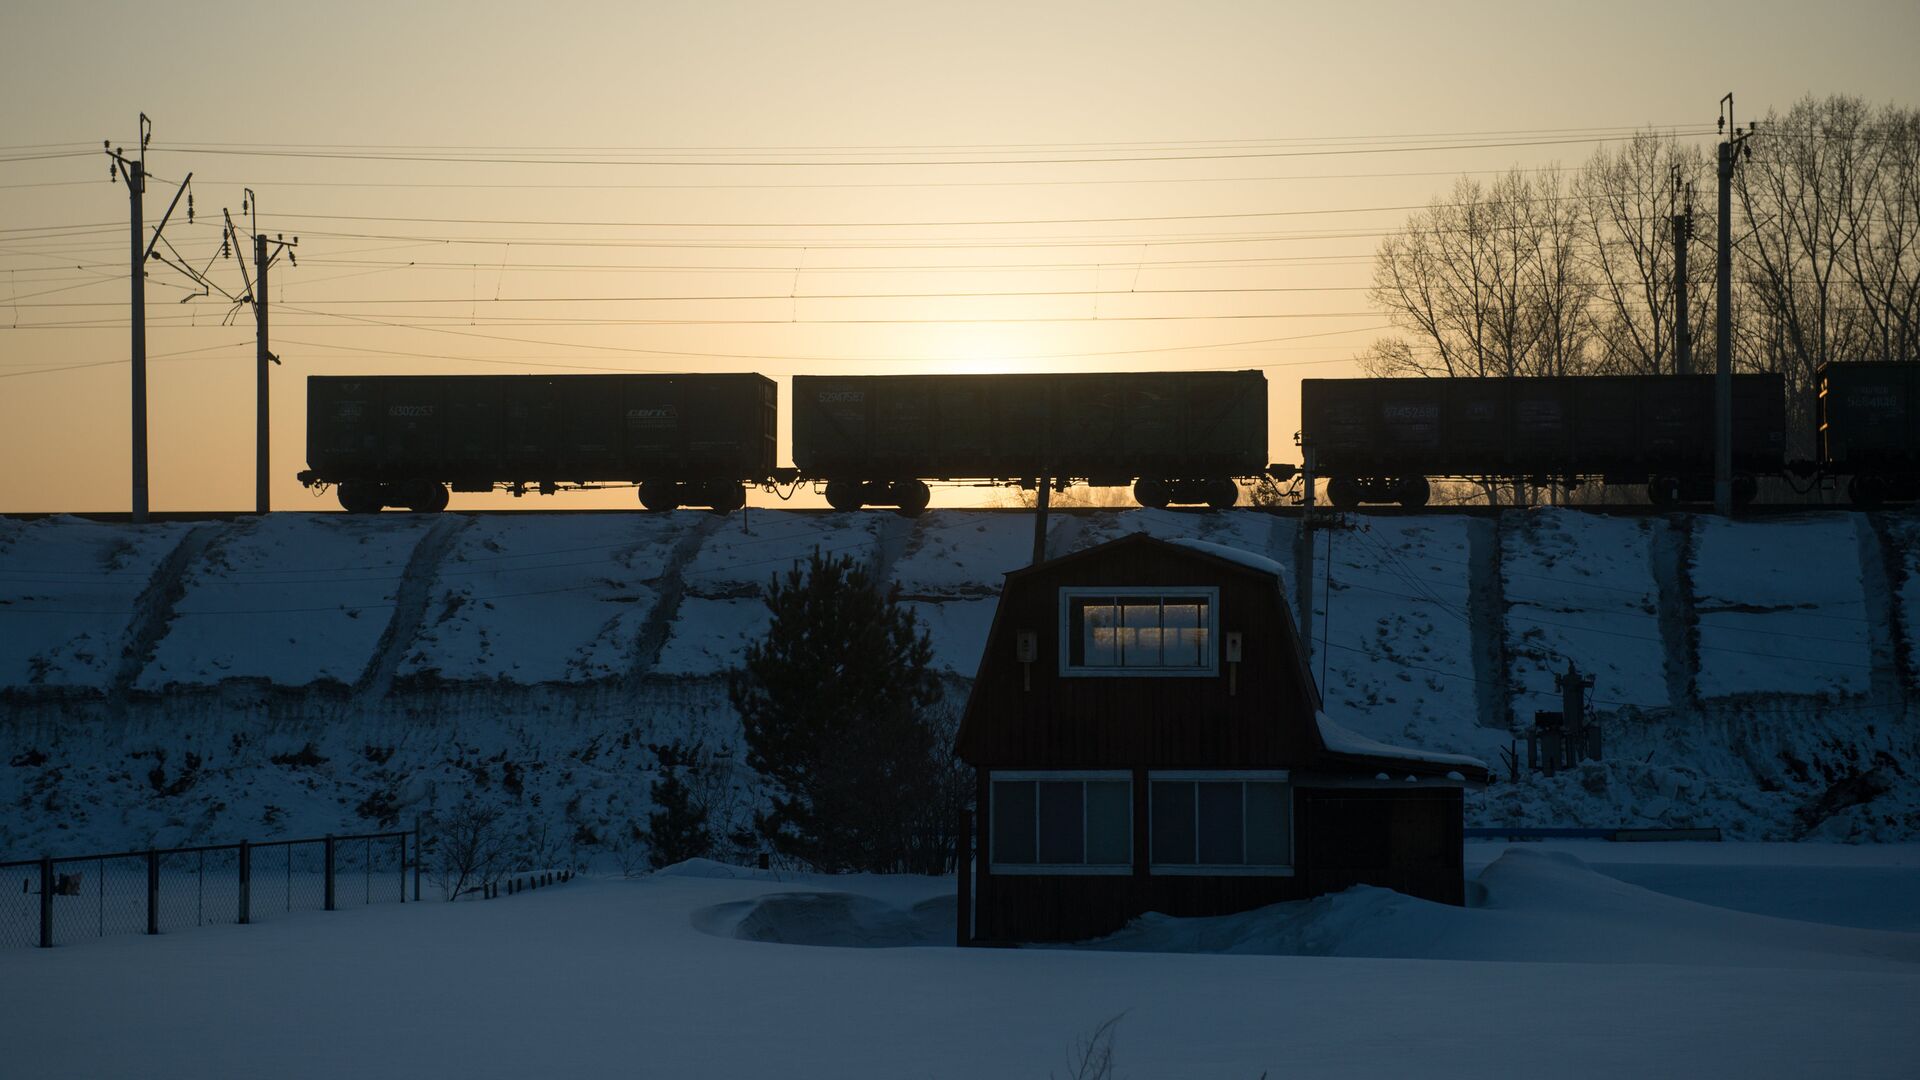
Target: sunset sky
{"x": 497, "y": 188}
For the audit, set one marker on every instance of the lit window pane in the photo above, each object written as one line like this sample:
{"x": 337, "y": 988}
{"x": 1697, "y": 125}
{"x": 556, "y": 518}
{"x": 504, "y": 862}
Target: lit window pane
{"x": 1061, "y": 826}
{"x": 1109, "y": 823}
{"x": 1219, "y": 824}
{"x": 1269, "y": 810}
{"x": 1184, "y": 624}
{"x": 1140, "y": 633}
{"x": 1173, "y": 822}
{"x": 1013, "y": 821}
{"x": 1099, "y": 634}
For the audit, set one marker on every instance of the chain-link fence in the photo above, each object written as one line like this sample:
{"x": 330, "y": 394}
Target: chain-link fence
{"x": 63, "y": 899}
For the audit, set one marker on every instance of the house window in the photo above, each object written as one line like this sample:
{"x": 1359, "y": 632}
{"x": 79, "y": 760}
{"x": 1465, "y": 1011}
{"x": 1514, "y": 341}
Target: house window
{"x": 1062, "y": 823}
{"x": 1221, "y": 822}
{"x": 1138, "y": 631}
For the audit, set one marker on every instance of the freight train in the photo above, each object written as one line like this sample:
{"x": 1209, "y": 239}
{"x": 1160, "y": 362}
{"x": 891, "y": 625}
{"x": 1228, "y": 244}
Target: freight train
{"x": 1384, "y": 440}
{"x": 1177, "y": 437}
{"x": 702, "y": 440}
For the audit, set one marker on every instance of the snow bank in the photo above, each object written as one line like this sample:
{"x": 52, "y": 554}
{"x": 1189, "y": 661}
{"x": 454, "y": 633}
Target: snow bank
{"x": 1535, "y": 907}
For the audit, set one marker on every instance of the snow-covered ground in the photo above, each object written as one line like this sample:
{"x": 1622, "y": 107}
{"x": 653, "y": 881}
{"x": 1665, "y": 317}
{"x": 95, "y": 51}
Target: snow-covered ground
{"x": 163, "y": 683}
{"x": 1565, "y": 968}
{"x": 1781, "y": 609}
{"x": 1580, "y": 587}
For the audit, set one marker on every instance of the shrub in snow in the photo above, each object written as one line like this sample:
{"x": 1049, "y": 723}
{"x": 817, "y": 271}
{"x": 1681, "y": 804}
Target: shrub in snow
{"x": 677, "y": 829}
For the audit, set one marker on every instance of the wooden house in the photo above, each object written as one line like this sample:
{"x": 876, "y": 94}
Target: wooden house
{"x": 1147, "y": 736}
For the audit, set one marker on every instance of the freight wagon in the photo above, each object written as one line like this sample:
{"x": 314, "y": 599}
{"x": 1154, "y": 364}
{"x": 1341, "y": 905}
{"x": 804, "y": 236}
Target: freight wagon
{"x": 1381, "y": 440}
{"x": 1179, "y": 437}
{"x": 1870, "y": 428}
{"x": 403, "y": 440}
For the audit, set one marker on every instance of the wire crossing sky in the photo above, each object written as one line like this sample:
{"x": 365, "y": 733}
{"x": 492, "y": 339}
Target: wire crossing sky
{"x": 840, "y": 187}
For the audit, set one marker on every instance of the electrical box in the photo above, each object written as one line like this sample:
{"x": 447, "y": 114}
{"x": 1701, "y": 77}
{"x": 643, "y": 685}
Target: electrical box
{"x": 1233, "y": 646}
{"x": 1026, "y": 645}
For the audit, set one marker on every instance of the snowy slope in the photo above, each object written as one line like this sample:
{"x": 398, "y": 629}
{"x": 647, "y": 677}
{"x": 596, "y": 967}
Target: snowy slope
{"x": 1580, "y": 586}
{"x": 1392, "y": 632}
{"x": 294, "y": 599}
{"x": 68, "y": 595}
{"x": 544, "y": 599}
{"x": 1780, "y": 608}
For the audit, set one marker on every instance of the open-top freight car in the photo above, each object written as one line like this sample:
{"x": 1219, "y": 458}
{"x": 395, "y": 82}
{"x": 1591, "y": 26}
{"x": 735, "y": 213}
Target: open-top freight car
{"x": 1870, "y": 428}
{"x": 1381, "y": 440}
{"x": 1177, "y": 436}
{"x": 403, "y": 440}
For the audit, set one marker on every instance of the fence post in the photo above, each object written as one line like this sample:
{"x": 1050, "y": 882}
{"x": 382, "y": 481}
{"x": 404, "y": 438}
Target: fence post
{"x": 403, "y": 868}
{"x": 419, "y": 855}
{"x": 329, "y": 870}
{"x": 46, "y": 901}
{"x": 153, "y": 891}
{"x": 246, "y": 883}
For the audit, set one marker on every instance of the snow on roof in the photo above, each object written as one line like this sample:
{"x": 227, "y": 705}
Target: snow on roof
{"x": 1231, "y": 554}
{"x": 1340, "y": 740}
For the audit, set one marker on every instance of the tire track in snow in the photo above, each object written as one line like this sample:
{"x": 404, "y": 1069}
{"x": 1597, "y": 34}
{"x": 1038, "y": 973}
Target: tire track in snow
{"x": 153, "y": 609}
{"x": 1487, "y": 620}
{"x": 1671, "y": 553}
{"x": 1881, "y": 570}
{"x": 410, "y": 601}
{"x": 671, "y": 586}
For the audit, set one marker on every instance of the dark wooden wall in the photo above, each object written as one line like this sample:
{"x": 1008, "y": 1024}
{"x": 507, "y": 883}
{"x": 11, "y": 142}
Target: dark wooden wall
{"x": 1142, "y": 721}
{"x": 1405, "y": 839}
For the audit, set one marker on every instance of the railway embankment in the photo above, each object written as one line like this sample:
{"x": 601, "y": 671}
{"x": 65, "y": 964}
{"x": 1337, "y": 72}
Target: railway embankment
{"x": 252, "y": 678}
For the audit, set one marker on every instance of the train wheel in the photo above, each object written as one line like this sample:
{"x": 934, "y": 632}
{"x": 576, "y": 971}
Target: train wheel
{"x": 910, "y": 496}
{"x": 1745, "y": 488}
{"x": 1222, "y": 494}
{"x": 1154, "y": 493}
{"x": 426, "y": 497}
{"x": 725, "y": 497}
{"x": 1866, "y": 491}
{"x": 659, "y": 495}
{"x": 361, "y": 497}
{"x": 844, "y": 495}
{"x": 1343, "y": 492}
{"x": 1414, "y": 492}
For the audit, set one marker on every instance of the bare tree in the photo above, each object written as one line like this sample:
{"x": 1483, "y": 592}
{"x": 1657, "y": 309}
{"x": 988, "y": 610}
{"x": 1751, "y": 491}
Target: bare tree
{"x": 1627, "y": 199}
{"x": 467, "y": 848}
{"x": 1486, "y": 282}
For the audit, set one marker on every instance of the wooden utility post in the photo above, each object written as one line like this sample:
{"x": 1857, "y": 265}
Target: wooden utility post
{"x": 1682, "y": 236}
{"x": 1730, "y": 147}
{"x": 1303, "y": 551}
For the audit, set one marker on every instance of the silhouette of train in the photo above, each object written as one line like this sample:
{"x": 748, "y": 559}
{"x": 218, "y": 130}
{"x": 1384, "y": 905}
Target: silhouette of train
{"x": 1178, "y": 438}
{"x": 702, "y": 440}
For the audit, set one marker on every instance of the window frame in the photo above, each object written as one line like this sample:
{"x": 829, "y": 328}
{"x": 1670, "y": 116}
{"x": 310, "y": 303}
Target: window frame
{"x": 1244, "y": 777}
{"x": 1082, "y": 776}
{"x": 1070, "y": 670}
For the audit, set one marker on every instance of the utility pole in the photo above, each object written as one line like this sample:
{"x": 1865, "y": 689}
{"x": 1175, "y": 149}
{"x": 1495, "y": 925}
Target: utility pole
{"x": 1303, "y": 550}
{"x": 1682, "y": 237}
{"x": 1730, "y": 147}
{"x": 133, "y": 170}
{"x": 257, "y": 295}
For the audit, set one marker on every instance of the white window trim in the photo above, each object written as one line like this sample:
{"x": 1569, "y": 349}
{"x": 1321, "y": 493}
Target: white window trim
{"x": 1069, "y": 593}
{"x": 1058, "y": 869}
{"x": 1266, "y": 776}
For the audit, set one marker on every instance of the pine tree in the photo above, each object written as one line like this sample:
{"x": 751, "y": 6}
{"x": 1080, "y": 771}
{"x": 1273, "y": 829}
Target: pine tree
{"x": 677, "y": 828}
{"x": 836, "y": 705}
